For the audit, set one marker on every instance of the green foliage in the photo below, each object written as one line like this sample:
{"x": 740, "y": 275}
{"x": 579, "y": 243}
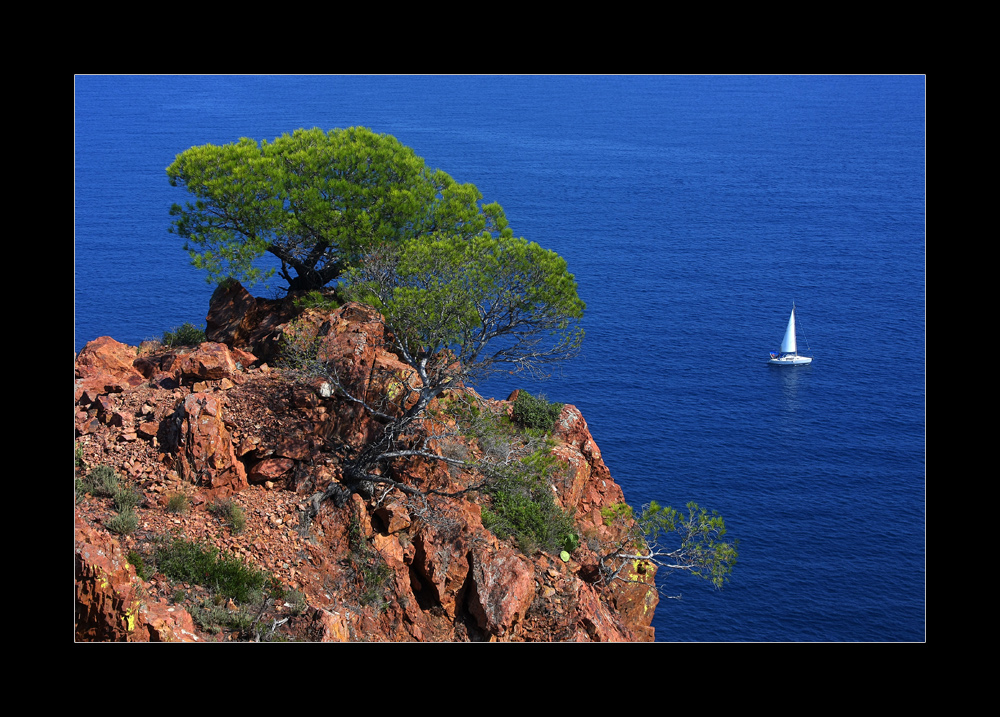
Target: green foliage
{"x": 178, "y": 503}
{"x": 127, "y": 497}
{"x": 701, "y": 548}
{"x": 315, "y": 200}
{"x": 232, "y": 512}
{"x": 296, "y": 601}
{"x": 487, "y": 302}
{"x": 522, "y": 504}
{"x": 124, "y": 523}
{"x": 139, "y": 563}
{"x": 102, "y": 481}
{"x": 186, "y": 335}
{"x": 535, "y": 411}
{"x": 673, "y": 540}
{"x": 196, "y": 562}
{"x": 616, "y": 512}
{"x": 213, "y": 617}
{"x": 317, "y": 299}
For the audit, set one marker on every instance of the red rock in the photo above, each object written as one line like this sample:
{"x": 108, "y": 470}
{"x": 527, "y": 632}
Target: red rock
{"x": 232, "y": 314}
{"x": 209, "y": 362}
{"x": 110, "y": 602}
{"x": 209, "y": 457}
{"x": 503, "y": 582}
{"x": 270, "y": 469}
{"x": 394, "y": 517}
{"x": 106, "y": 357}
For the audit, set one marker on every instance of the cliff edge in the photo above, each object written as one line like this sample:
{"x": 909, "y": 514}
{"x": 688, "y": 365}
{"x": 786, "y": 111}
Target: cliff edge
{"x": 204, "y": 433}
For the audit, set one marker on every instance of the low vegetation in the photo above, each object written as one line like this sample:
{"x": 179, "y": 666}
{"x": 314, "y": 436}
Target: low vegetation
{"x": 519, "y": 473}
{"x": 178, "y": 503}
{"x": 370, "y": 568}
{"x": 104, "y": 482}
{"x": 238, "y": 593}
{"x": 318, "y": 299}
{"x": 185, "y": 335}
{"x": 522, "y": 505}
{"x": 536, "y": 411}
{"x": 231, "y": 512}
{"x": 192, "y": 561}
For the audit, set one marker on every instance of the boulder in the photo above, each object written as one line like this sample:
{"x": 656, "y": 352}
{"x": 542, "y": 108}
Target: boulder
{"x": 253, "y": 324}
{"x": 210, "y": 361}
{"x": 105, "y": 366}
{"x": 503, "y": 588}
{"x": 209, "y": 457}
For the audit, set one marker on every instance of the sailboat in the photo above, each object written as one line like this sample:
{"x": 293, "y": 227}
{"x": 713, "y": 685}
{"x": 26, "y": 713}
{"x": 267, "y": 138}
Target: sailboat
{"x": 789, "y": 355}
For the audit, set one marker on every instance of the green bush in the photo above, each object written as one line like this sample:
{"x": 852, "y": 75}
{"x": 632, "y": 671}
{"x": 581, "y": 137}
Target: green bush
{"x": 213, "y": 618}
{"x": 317, "y": 299}
{"x": 124, "y": 523}
{"x": 127, "y": 497}
{"x": 194, "y": 562}
{"x": 232, "y": 512}
{"x": 102, "y": 481}
{"x": 523, "y": 505}
{"x": 186, "y": 335}
{"x": 610, "y": 514}
{"x": 139, "y": 563}
{"x": 535, "y": 411}
{"x": 177, "y": 503}
{"x": 296, "y": 601}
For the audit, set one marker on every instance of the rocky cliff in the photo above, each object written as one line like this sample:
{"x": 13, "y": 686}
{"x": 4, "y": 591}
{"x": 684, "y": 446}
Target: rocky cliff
{"x": 190, "y": 428}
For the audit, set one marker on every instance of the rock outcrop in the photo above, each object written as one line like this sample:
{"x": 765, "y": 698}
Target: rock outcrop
{"x": 216, "y": 422}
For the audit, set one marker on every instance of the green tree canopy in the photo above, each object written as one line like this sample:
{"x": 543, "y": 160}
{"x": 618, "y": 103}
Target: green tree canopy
{"x": 316, "y": 201}
{"x": 490, "y": 302}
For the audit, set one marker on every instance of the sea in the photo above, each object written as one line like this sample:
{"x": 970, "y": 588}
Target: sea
{"x": 693, "y": 211}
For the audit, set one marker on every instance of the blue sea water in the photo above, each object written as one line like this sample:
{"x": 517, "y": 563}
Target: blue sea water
{"x": 693, "y": 212}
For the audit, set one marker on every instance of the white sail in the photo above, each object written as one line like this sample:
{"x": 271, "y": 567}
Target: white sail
{"x": 788, "y": 343}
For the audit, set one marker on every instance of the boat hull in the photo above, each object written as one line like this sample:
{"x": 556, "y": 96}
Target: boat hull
{"x": 790, "y": 360}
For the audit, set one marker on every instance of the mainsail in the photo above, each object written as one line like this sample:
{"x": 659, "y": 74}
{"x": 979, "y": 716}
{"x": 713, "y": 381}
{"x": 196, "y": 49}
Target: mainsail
{"x": 788, "y": 343}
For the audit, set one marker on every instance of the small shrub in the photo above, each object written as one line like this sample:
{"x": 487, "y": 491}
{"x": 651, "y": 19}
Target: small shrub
{"x": 317, "y": 299}
{"x": 124, "y": 523}
{"x": 612, "y": 513}
{"x": 523, "y": 505}
{"x": 127, "y": 497}
{"x": 186, "y": 335}
{"x": 214, "y": 618}
{"x": 177, "y": 503}
{"x": 296, "y": 601}
{"x": 232, "y": 512}
{"x": 139, "y": 564}
{"x": 195, "y": 562}
{"x": 102, "y": 481}
{"x": 535, "y": 411}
